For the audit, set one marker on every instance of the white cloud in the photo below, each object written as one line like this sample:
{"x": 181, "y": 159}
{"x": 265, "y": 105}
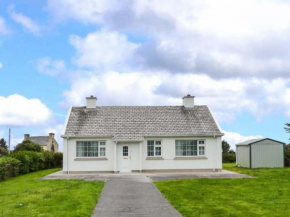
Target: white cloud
{"x": 1, "y": 65}
{"x": 102, "y": 49}
{"x": 18, "y": 111}
{"x": 234, "y": 138}
{"x": 215, "y": 38}
{"x": 25, "y": 21}
{"x": 3, "y": 27}
{"x": 50, "y": 67}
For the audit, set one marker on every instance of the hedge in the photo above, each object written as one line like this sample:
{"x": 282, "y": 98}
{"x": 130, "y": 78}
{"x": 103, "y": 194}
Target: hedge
{"x": 9, "y": 167}
{"x": 23, "y": 162}
{"x": 229, "y": 157}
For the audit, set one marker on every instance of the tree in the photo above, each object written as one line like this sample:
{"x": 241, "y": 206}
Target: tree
{"x": 225, "y": 146}
{"x": 3, "y": 147}
{"x": 28, "y": 146}
{"x": 287, "y": 128}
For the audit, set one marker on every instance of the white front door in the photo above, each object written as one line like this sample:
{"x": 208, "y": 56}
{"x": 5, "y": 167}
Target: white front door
{"x": 125, "y": 158}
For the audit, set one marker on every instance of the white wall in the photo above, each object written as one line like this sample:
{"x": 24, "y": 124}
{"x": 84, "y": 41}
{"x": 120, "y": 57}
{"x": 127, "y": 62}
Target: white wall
{"x": 243, "y": 155}
{"x": 212, "y": 152}
{"x": 267, "y": 153}
{"x": 94, "y": 165}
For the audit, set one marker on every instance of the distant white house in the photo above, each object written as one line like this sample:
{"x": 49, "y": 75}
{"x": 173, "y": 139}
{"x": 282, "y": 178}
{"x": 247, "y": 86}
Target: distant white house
{"x": 260, "y": 153}
{"x": 141, "y": 138}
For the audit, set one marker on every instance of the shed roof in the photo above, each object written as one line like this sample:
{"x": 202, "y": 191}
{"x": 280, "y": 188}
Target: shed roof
{"x": 135, "y": 122}
{"x": 252, "y": 141}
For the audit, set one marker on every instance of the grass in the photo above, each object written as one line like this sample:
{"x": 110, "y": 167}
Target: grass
{"x": 268, "y": 194}
{"x": 26, "y": 195}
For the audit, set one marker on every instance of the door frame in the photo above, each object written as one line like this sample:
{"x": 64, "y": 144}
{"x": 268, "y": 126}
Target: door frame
{"x": 121, "y": 157}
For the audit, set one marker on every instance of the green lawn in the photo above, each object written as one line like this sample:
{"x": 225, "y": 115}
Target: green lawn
{"x": 266, "y": 195}
{"x": 28, "y": 196}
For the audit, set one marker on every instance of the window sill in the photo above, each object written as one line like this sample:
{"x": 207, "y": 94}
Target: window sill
{"x": 90, "y": 158}
{"x": 154, "y": 158}
{"x": 191, "y": 158}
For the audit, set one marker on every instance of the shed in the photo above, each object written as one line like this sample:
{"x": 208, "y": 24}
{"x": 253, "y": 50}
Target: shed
{"x": 260, "y": 153}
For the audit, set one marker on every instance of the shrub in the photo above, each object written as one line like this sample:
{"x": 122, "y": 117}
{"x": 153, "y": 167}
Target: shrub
{"x": 28, "y": 146}
{"x": 3, "y": 151}
{"x": 229, "y": 157}
{"x": 30, "y": 161}
{"x": 9, "y": 167}
{"x": 57, "y": 159}
{"x": 287, "y": 155}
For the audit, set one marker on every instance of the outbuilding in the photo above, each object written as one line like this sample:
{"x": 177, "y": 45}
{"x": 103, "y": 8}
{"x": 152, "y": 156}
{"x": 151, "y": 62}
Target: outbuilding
{"x": 260, "y": 153}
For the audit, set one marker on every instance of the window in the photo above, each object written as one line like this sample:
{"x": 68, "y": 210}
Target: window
{"x": 201, "y": 148}
{"x": 91, "y": 149}
{"x": 125, "y": 150}
{"x": 189, "y": 147}
{"x": 154, "y": 148}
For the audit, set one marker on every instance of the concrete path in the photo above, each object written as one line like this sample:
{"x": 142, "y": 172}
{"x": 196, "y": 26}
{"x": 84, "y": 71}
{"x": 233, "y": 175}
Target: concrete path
{"x": 152, "y": 176}
{"x": 125, "y": 195}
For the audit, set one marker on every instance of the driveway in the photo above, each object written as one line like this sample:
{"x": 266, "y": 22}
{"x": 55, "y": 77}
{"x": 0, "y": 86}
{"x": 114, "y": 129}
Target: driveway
{"x": 136, "y": 195}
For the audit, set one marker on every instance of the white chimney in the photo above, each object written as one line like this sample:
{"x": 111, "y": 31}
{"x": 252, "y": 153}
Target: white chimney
{"x": 188, "y": 101}
{"x": 91, "y": 102}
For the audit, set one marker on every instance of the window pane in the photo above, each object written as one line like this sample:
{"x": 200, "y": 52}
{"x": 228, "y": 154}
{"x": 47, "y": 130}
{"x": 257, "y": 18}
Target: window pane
{"x": 125, "y": 150}
{"x": 201, "y": 150}
{"x": 102, "y": 151}
{"x": 150, "y": 148}
{"x": 186, "y": 147}
{"x": 87, "y": 149}
{"x": 157, "y": 142}
{"x": 158, "y": 151}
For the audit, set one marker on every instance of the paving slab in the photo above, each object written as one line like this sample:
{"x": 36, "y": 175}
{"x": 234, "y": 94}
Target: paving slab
{"x": 125, "y": 195}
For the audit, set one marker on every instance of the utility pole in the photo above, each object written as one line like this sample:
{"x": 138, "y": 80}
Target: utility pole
{"x": 9, "y": 141}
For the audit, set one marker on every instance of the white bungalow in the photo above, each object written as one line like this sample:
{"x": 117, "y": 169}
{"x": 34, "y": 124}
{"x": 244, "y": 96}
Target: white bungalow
{"x": 141, "y": 138}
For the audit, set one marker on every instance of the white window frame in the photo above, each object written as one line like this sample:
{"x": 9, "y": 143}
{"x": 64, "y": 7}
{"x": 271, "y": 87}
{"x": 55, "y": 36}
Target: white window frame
{"x": 99, "y": 148}
{"x": 154, "y": 152}
{"x": 198, "y": 145}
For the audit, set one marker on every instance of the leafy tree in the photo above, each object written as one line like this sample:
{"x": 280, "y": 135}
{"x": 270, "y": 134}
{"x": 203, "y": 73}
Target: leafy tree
{"x": 225, "y": 146}
{"x": 3, "y": 147}
{"x": 28, "y": 146}
{"x": 287, "y": 155}
{"x": 287, "y": 128}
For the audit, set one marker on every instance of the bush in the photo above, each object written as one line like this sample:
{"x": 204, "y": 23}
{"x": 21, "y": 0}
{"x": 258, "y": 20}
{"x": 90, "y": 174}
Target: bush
{"x": 28, "y": 146}
{"x": 30, "y": 161}
{"x": 3, "y": 151}
{"x": 229, "y": 157}
{"x": 287, "y": 155}
{"x": 57, "y": 159}
{"x": 9, "y": 167}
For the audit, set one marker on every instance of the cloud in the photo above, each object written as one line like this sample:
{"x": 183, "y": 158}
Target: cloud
{"x": 19, "y": 111}
{"x": 3, "y": 27}
{"x": 103, "y": 49}
{"x": 234, "y": 138}
{"x": 227, "y": 97}
{"x": 206, "y": 37}
{"x": 1, "y": 65}
{"x": 25, "y": 21}
{"x": 50, "y": 67}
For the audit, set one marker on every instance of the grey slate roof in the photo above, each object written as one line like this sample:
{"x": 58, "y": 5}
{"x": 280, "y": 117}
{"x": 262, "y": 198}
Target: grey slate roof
{"x": 41, "y": 140}
{"x": 135, "y": 122}
{"x": 251, "y": 141}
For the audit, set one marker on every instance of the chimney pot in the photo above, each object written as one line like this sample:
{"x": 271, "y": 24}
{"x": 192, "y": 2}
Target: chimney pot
{"x": 26, "y": 136}
{"x": 51, "y": 135}
{"x": 91, "y": 102}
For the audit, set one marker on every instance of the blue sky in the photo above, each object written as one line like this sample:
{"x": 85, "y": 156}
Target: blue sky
{"x": 233, "y": 56}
